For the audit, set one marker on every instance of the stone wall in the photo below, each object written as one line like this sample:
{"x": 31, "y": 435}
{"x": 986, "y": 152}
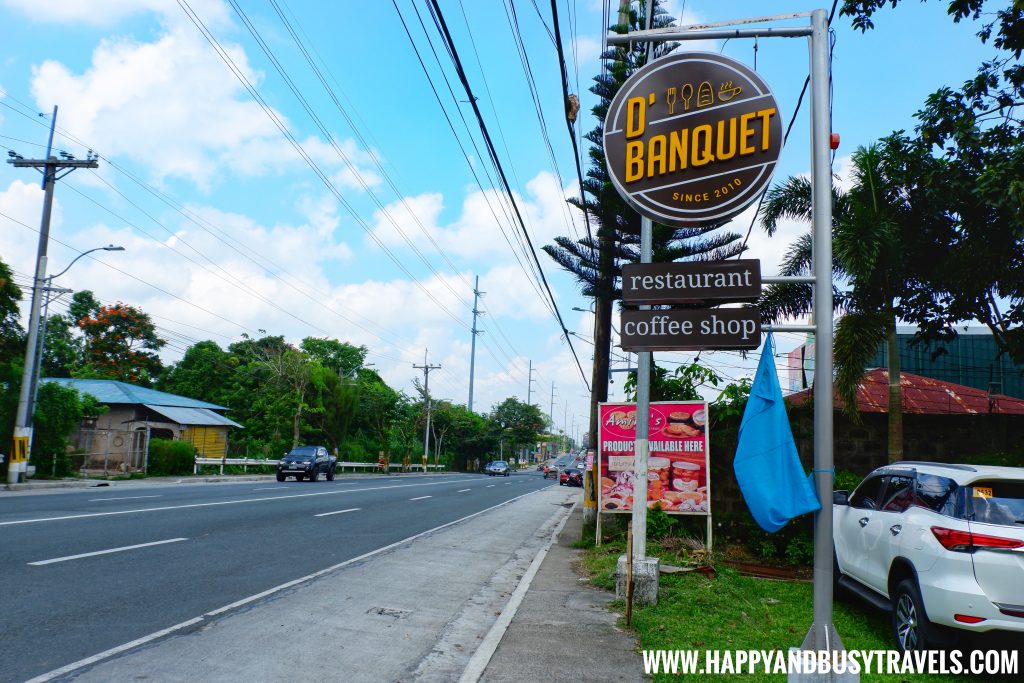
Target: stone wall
{"x": 860, "y": 448}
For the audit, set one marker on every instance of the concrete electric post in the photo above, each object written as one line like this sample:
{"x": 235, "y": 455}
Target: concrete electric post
{"x": 51, "y": 168}
{"x": 426, "y": 368}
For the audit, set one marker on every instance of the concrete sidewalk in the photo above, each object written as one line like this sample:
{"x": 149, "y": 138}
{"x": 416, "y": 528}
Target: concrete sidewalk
{"x": 563, "y": 630}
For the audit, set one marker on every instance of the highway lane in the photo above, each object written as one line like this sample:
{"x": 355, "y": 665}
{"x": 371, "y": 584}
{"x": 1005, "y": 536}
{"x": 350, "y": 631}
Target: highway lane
{"x": 188, "y": 550}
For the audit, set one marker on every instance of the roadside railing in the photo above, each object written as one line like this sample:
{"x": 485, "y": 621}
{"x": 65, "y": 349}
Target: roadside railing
{"x": 255, "y": 462}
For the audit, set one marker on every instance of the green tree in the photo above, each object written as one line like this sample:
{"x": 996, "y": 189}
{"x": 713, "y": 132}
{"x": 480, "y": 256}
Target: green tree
{"x": 205, "y": 372}
{"x": 58, "y": 411}
{"x": 516, "y": 424}
{"x": 62, "y": 351}
{"x": 342, "y": 357}
{"x": 12, "y": 336}
{"x": 973, "y": 168}
{"x": 256, "y": 397}
{"x": 12, "y": 353}
{"x": 874, "y": 235}
{"x": 381, "y": 407}
{"x": 339, "y": 401}
{"x": 681, "y": 385}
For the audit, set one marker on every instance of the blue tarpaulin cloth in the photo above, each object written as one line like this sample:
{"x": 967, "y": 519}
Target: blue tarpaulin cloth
{"x": 767, "y": 466}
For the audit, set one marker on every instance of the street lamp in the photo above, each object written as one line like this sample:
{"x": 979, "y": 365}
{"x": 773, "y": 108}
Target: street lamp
{"x": 33, "y": 364}
{"x": 50, "y": 290}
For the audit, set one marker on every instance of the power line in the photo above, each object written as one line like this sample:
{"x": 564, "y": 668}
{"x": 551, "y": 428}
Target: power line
{"x": 296, "y": 91}
{"x": 458, "y": 141}
{"x": 276, "y": 120}
{"x": 436, "y": 10}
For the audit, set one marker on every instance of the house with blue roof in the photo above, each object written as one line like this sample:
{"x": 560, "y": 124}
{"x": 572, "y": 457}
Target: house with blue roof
{"x": 119, "y": 439}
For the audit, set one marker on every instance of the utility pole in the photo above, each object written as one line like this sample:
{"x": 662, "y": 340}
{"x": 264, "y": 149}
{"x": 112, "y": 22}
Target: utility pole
{"x": 529, "y": 386}
{"x": 474, "y": 332}
{"x": 50, "y": 167}
{"x": 426, "y": 368}
{"x": 551, "y": 409}
{"x": 565, "y": 425}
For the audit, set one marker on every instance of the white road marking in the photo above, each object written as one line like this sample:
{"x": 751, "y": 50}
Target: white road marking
{"x": 337, "y": 512}
{"x": 273, "y": 488}
{"x": 222, "y": 502}
{"x": 93, "y": 500}
{"x": 489, "y": 486}
{"x": 461, "y": 490}
{"x": 56, "y": 673}
{"x": 421, "y": 498}
{"x": 104, "y": 552}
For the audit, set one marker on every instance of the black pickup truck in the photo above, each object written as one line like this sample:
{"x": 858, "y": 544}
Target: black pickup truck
{"x": 307, "y": 462}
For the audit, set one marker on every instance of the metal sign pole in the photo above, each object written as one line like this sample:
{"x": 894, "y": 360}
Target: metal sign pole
{"x": 822, "y": 635}
{"x": 643, "y": 410}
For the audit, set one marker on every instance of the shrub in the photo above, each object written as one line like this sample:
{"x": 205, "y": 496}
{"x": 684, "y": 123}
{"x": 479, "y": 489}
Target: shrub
{"x": 846, "y": 480}
{"x": 800, "y": 551}
{"x": 169, "y": 457}
{"x": 352, "y": 451}
{"x": 659, "y": 523}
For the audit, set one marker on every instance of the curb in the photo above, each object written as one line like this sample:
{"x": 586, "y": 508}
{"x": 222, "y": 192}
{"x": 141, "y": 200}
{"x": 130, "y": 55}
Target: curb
{"x": 482, "y": 656}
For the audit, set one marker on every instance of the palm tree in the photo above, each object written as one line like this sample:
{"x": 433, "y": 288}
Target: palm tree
{"x": 872, "y": 236}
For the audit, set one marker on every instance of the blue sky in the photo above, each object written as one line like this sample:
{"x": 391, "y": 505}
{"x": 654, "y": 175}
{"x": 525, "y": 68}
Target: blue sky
{"x": 228, "y": 231}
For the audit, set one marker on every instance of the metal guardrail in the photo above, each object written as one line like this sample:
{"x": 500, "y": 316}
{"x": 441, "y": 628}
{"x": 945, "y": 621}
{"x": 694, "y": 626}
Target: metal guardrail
{"x": 255, "y": 462}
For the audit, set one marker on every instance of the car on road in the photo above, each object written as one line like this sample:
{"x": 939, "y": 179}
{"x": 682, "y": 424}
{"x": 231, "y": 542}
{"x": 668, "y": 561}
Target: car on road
{"x": 307, "y": 462}
{"x": 550, "y": 469}
{"x": 571, "y": 476}
{"x": 497, "y": 468}
{"x": 939, "y": 546}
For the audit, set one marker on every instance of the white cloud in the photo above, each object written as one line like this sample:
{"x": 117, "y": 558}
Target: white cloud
{"x": 173, "y": 106}
{"x": 106, "y": 12}
{"x": 482, "y": 230}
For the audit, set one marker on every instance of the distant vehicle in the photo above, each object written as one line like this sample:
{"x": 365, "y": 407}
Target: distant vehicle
{"x": 571, "y": 476}
{"x": 939, "y": 546}
{"x": 550, "y": 469}
{"x": 563, "y": 461}
{"x": 497, "y": 468}
{"x": 307, "y": 462}
{"x": 540, "y": 466}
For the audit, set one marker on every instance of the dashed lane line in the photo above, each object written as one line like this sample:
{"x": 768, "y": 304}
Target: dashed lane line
{"x": 337, "y": 512}
{"x": 104, "y": 552}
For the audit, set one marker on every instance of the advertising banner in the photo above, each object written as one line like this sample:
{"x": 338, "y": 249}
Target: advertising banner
{"x": 677, "y": 465}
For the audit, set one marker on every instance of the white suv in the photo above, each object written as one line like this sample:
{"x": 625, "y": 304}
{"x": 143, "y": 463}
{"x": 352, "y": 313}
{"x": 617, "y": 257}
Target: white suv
{"x": 941, "y": 546}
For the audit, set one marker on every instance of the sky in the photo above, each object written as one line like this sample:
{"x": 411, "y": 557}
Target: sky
{"x": 304, "y": 168}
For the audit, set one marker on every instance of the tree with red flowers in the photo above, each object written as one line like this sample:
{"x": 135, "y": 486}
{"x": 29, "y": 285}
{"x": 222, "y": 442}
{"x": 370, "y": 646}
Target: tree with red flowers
{"x": 120, "y": 343}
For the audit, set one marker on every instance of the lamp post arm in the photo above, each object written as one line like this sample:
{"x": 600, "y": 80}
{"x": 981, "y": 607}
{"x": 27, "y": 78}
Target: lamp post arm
{"x": 53, "y": 277}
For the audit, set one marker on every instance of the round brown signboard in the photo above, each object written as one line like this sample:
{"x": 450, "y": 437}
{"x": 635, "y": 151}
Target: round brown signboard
{"x": 692, "y": 138}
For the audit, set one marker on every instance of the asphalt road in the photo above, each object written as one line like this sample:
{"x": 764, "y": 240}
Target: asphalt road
{"x": 182, "y": 551}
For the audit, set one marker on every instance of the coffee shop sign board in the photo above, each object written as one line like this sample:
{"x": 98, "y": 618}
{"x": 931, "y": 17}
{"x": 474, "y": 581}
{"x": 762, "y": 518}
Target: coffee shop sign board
{"x": 692, "y": 139}
{"x": 677, "y": 465}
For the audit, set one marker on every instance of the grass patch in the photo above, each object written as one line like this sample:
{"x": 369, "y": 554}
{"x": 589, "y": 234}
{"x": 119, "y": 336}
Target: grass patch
{"x": 735, "y": 612}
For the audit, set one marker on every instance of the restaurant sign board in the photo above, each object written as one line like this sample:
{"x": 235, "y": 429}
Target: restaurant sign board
{"x": 692, "y": 138}
{"x": 691, "y": 282}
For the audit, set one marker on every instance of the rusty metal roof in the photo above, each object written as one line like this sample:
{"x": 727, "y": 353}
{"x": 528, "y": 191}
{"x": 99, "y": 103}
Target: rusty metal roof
{"x": 923, "y": 396}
